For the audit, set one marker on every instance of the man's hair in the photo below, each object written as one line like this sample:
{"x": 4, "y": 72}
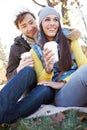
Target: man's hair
{"x": 21, "y": 15}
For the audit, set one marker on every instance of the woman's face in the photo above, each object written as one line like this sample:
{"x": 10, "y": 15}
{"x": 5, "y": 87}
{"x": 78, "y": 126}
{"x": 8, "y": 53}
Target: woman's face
{"x": 50, "y": 26}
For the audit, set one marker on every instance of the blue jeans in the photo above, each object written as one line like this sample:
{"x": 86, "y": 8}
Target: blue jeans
{"x": 74, "y": 93}
{"x": 10, "y": 108}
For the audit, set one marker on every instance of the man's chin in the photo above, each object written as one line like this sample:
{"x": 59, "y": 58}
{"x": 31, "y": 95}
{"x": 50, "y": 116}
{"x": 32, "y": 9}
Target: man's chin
{"x": 34, "y": 36}
{"x": 31, "y": 37}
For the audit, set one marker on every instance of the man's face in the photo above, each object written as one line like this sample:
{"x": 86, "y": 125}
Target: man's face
{"x": 28, "y": 26}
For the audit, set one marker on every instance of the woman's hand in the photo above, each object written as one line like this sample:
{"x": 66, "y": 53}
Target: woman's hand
{"x": 55, "y": 85}
{"x": 49, "y": 59}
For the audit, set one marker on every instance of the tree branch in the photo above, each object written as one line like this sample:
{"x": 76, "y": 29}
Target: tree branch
{"x": 38, "y": 3}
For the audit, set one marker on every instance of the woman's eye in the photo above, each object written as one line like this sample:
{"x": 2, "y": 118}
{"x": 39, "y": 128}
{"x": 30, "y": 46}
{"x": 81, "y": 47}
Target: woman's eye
{"x": 47, "y": 20}
{"x": 55, "y": 19}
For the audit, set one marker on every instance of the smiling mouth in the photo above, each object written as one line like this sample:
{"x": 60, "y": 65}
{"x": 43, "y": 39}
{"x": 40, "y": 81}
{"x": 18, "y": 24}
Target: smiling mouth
{"x": 52, "y": 29}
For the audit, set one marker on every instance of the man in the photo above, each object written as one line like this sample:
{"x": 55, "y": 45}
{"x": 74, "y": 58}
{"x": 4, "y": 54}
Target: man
{"x": 25, "y": 22}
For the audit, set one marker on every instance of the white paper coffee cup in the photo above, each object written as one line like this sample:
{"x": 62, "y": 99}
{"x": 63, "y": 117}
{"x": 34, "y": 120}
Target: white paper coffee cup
{"x": 25, "y": 54}
{"x": 52, "y": 45}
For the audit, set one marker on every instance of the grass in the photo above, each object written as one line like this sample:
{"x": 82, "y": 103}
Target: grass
{"x": 74, "y": 120}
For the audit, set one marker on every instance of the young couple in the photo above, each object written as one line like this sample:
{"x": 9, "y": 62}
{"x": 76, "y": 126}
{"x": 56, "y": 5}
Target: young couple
{"x": 64, "y": 81}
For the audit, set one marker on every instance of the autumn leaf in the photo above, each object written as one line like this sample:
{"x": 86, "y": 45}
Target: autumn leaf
{"x": 82, "y": 117}
{"x": 57, "y": 118}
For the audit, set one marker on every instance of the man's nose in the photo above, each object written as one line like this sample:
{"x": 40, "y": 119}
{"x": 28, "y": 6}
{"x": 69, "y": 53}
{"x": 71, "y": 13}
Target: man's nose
{"x": 29, "y": 28}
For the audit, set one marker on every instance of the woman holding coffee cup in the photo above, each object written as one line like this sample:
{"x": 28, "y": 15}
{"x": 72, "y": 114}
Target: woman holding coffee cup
{"x": 67, "y": 80}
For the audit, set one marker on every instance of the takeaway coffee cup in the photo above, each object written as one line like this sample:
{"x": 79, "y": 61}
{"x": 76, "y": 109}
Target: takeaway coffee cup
{"x": 25, "y": 54}
{"x": 52, "y": 45}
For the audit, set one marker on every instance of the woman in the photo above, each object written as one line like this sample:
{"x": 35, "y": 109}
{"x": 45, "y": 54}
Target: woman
{"x": 71, "y": 92}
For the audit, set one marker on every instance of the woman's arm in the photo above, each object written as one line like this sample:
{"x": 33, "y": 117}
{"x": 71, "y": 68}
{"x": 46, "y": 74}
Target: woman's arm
{"x": 40, "y": 70}
{"x": 80, "y": 57}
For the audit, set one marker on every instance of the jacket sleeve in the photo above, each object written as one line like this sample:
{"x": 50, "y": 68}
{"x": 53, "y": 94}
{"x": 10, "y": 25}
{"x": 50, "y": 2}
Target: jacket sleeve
{"x": 40, "y": 70}
{"x": 13, "y": 62}
{"x": 80, "y": 57}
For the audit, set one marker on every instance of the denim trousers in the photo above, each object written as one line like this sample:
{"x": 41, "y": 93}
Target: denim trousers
{"x": 74, "y": 92}
{"x": 11, "y": 108}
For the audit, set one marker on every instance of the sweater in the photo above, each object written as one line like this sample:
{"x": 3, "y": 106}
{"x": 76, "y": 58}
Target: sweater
{"x": 39, "y": 68}
{"x": 43, "y": 75}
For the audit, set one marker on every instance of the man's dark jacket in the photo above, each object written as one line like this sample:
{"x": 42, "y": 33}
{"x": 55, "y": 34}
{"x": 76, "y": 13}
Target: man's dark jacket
{"x": 20, "y": 46}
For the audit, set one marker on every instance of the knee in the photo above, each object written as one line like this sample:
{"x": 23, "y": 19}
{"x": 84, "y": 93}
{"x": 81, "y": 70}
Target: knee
{"x": 29, "y": 70}
{"x": 47, "y": 91}
{"x": 81, "y": 72}
{"x": 83, "y": 69}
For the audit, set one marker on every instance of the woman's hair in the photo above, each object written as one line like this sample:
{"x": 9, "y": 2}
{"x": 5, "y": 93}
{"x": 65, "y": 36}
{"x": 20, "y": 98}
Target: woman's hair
{"x": 65, "y": 59}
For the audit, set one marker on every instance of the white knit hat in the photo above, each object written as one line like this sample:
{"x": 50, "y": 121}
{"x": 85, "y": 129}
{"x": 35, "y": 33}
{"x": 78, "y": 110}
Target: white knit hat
{"x": 47, "y": 11}
{"x": 21, "y": 10}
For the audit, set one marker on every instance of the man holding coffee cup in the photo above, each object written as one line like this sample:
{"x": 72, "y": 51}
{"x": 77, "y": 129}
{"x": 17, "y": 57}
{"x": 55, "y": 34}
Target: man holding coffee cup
{"x": 25, "y": 22}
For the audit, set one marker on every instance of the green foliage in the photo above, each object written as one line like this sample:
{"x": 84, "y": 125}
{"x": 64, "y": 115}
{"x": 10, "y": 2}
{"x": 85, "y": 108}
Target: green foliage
{"x": 74, "y": 120}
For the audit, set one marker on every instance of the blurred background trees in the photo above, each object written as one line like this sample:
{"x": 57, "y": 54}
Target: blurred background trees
{"x": 66, "y": 6}
{"x": 3, "y": 65}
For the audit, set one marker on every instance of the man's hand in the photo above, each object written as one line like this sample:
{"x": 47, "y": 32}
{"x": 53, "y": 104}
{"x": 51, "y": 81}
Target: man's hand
{"x": 27, "y": 61}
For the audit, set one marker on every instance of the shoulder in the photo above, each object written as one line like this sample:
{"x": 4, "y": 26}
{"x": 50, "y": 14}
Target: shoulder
{"x": 19, "y": 40}
{"x": 71, "y": 34}
{"x": 36, "y": 50}
{"x": 17, "y": 44}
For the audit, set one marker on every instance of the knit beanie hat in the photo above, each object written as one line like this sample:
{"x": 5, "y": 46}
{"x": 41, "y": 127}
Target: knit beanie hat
{"x": 47, "y": 11}
{"x": 21, "y": 10}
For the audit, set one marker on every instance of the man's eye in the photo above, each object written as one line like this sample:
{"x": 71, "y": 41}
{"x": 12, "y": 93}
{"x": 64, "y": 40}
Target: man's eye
{"x": 24, "y": 26}
{"x": 30, "y": 22}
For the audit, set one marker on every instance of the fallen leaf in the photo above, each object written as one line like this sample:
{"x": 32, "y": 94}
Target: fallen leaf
{"x": 82, "y": 117}
{"x": 60, "y": 116}
{"x": 57, "y": 118}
